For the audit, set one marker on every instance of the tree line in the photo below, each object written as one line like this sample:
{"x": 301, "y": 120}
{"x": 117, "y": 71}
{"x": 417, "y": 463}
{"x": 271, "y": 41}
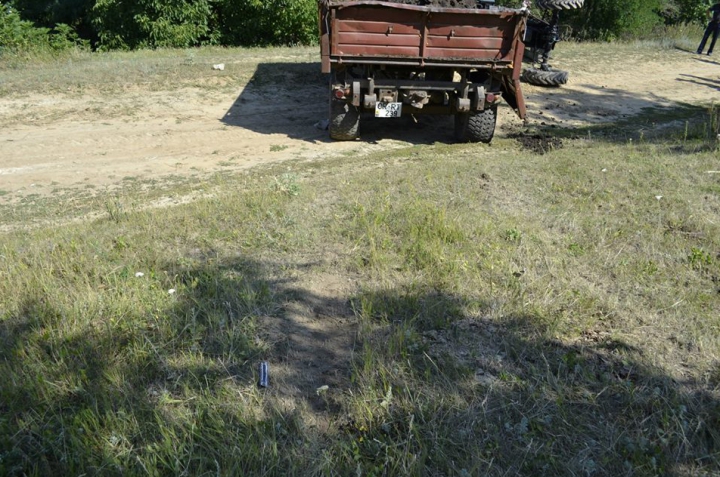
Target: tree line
{"x": 126, "y": 25}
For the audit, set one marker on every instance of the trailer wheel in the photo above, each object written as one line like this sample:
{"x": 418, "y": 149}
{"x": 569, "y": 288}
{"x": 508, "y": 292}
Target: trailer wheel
{"x": 540, "y": 77}
{"x": 477, "y": 127}
{"x": 559, "y": 4}
{"x": 344, "y": 121}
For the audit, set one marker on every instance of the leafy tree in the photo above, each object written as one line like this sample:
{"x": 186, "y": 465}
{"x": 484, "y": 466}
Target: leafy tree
{"x": 613, "y": 19}
{"x": 686, "y": 11}
{"x": 153, "y": 23}
{"x": 126, "y": 24}
{"x": 48, "y": 13}
{"x": 264, "y": 22}
{"x": 18, "y": 35}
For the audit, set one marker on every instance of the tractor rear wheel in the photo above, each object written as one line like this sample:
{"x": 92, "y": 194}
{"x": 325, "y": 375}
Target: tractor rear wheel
{"x": 477, "y": 127}
{"x": 539, "y": 77}
{"x": 344, "y": 120}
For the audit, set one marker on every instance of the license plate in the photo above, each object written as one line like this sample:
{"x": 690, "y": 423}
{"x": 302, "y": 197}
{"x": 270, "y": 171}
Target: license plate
{"x": 388, "y": 110}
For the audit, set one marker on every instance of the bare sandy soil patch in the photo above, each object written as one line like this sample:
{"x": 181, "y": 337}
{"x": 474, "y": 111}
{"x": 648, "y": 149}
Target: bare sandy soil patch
{"x": 52, "y": 140}
{"x": 601, "y": 91}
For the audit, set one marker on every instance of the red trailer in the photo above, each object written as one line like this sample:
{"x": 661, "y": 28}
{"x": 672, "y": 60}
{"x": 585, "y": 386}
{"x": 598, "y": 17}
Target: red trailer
{"x": 397, "y": 59}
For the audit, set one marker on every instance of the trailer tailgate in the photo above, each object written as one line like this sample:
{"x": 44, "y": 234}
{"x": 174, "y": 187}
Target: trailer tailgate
{"x": 408, "y": 34}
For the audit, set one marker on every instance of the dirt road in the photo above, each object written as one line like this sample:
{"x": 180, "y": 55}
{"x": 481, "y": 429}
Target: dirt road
{"x": 51, "y": 141}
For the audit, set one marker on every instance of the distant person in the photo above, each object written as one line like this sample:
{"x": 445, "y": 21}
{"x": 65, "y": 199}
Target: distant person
{"x": 713, "y": 29}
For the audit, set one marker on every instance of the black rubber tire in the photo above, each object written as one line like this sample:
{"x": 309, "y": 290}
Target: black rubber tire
{"x": 559, "y": 4}
{"x": 477, "y": 127}
{"x": 344, "y": 121}
{"x": 540, "y": 77}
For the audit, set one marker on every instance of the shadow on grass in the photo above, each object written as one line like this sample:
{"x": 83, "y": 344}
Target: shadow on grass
{"x": 506, "y": 400}
{"x": 685, "y": 128}
{"x": 686, "y": 50}
{"x": 172, "y": 391}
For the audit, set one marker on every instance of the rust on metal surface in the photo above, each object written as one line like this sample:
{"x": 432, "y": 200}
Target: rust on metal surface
{"x": 371, "y": 29}
{"x": 519, "y": 33}
{"x": 380, "y": 34}
{"x": 447, "y": 62}
{"x": 411, "y": 84}
{"x": 324, "y": 29}
{"x": 356, "y": 92}
{"x": 521, "y": 110}
{"x": 325, "y": 58}
{"x": 423, "y": 39}
{"x": 421, "y": 8}
{"x": 512, "y": 94}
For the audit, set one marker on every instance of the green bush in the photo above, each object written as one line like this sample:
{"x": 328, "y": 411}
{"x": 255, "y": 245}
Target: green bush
{"x": 267, "y": 22}
{"x": 153, "y": 23}
{"x": 48, "y": 13}
{"x": 21, "y": 36}
{"x": 123, "y": 24}
{"x": 615, "y": 19}
{"x": 686, "y": 11}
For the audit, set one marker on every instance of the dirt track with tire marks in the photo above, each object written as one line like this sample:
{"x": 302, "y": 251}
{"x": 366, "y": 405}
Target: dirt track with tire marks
{"x": 65, "y": 142}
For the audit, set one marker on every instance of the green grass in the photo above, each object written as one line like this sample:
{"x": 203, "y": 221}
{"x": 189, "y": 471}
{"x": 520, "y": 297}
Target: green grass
{"x": 80, "y": 81}
{"x": 79, "y": 72}
{"x": 515, "y": 313}
{"x": 472, "y": 310}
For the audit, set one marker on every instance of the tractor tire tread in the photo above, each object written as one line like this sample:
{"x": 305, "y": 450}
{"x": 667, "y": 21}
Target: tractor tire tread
{"x": 538, "y": 77}
{"x": 559, "y": 4}
{"x": 344, "y": 121}
{"x": 478, "y": 127}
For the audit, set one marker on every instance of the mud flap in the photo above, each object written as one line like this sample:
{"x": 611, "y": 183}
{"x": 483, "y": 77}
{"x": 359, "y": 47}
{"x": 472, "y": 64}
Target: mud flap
{"x": 512, "y": 94}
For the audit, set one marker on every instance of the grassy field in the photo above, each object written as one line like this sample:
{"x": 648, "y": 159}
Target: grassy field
{"x": 81, "y": 71}
{"x": 433, "y": 310}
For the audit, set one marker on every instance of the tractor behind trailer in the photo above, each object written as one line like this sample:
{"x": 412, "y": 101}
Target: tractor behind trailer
{"x": 397, "y": 59}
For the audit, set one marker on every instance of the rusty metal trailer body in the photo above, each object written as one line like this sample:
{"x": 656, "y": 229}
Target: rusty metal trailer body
{"x": 397, "y": 59}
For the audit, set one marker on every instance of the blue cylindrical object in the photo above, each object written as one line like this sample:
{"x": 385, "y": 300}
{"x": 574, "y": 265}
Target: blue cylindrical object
{"x": 264, "y": 374}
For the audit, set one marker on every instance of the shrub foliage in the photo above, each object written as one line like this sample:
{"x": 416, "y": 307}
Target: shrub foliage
{"x": 613, "y": 19}
{"x": 122, "y": 24}
{"x": 119, "y": 24}
{"x": 18, "y": 35}
{"x": 152, "y": 23}
{"x": 262, "y": 22}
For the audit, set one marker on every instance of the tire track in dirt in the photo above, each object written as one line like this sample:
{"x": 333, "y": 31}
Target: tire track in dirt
{"x": 604, "y": 93}
{"x": 49, "y": 143}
